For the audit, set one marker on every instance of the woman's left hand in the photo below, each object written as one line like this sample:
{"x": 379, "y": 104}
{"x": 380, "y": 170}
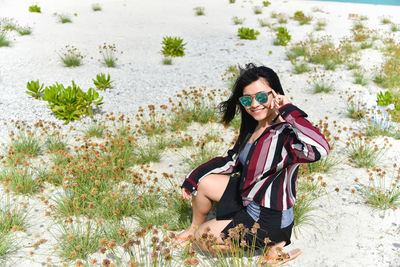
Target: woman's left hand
{"x": 278, "y": 100}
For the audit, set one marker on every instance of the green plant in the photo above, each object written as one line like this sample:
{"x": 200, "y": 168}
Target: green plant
{"x": 3, "y": 39}
{"x": 35, "y": 89}
{"x": 96, "y": 7}
{"x": 54, "y": 143}
{"x": 359, "y": 78}
{"x": 264, "y": 23}
{"x": 374, "y": 128}
{"x": 307, "y": 192}
{"x": 247, "y": 33}
{"x": 24, "y": 30}
{"x": 382, "y": 193}
{"x": 167, "y": 61}
{"x": 20, "y": 181}
{"x": 205, "y": 152}
{"x": 8, "y": 245}
{"x": 394, "y": 27}
{"x": 102, "y": 82}
{"x": 34, "y": 8}
{"x": 94, "y": 130}
{"x": 320, "y": 25}
{"x": 173, "y": 47}
{"x": 108, "y": 53}
{"x": 236, "y": 20}
{"x": 282, "y": 36}
{"x": 25, "y": 144}
{"x": 71, "y": 57}
{"x": 390, "y": 98}
{"x": 70, "y": 103}
{"x": 232, "y": 1}
{"x": 257, "y": 10}
{"x": 385, "y": 20}
{"x": 363, "y": 151}
{"x": 266, "y": 3}
{"x": 354, "y": 109}
{"x": 199, "y": 11}
{"x": 64, "y": 18}
{"x": 301, "y": 68}
{"x": 12, "y": 217}
{"x": 78, "y": 239}
{"x": 301, "y": 18}
{"x": 322, "y": 87}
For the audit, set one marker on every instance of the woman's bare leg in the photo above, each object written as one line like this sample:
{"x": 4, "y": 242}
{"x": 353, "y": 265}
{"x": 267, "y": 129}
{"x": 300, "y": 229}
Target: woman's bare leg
{"x": 210, "y": 188}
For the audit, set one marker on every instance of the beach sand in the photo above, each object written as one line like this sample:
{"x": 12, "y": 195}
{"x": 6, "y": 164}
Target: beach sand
{"x": 346, "y": 232}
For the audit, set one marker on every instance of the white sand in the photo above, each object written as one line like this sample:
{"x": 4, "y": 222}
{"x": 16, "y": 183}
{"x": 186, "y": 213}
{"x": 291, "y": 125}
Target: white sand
{"x": 349, "y": 233}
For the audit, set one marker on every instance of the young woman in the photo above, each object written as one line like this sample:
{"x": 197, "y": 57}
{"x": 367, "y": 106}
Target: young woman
{"x": 275, "y": 137}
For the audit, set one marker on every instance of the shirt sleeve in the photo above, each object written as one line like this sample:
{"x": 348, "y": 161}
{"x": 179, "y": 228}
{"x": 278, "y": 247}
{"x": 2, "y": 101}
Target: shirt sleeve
{"x": 218, "y": 165}
{"x": 309, "y": 144}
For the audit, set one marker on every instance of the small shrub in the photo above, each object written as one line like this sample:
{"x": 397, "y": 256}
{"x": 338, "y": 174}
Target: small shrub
{"x": 71, "y": 57}
{"x": 64, "y": 18}
{"x": 301, "y": 18}
{"x": 301, "y": 68}
{"x": 96, "y": 7}
{"x": 264, "y": 23}
{"x": 77, "y": 240}
{"x": 34, "y": 8}
{"x": 236, "y": 20}
{"x": 359, "y": 78}
{"x": 382, "y": 192}
{"x": 199, "y": 11}
{"x": 232, "y": 1}
{"x": 282, "y": 36}
{"x": 354, "y": 109}
{"x": 394, "y": 27}
{"x": 385, "y": 20}
{"x": 26, "y": 144}
{"x": 94, "y": 130}
{"x": 167, "y": 61}
{"x": 266, "y": 3}
{"x": 322, "y": 87}
{"x": 54, "y": 143}
{"x": 102, "y": 82}
{"x": 35, "y": 89}
{"x": 21, "y": 181}
{"x": 282, "y": 18}
{"x": 108, "y": 53}
{"x": 4, "y": 42}
{"x": 24, "y": 30}
{"x": 363, "y": 151}
{"x": 173, "y": 47}
{"x": 320, "y": 25}
{"x": 257, "y": 10}
{"x": 71, "y": 103}
{"x": 247, "y": 33}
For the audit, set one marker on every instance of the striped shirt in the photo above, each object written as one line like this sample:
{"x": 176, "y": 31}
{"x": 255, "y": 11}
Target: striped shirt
{"x": 269, "y": 173}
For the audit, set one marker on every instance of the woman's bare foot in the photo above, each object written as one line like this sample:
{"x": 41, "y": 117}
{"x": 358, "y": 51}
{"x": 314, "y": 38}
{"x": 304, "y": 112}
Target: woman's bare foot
{"x": 181, "y": 239}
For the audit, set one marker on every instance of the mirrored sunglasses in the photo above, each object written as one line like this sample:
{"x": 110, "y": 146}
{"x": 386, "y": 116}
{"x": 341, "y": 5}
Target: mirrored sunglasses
{"x": 261, "y": 97}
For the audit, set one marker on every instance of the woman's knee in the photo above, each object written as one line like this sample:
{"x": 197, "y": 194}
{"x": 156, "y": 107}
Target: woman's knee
{"x": 213, "y": 184}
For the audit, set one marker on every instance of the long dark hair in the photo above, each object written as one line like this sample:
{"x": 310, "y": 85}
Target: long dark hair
{"x": 250, "y": 73}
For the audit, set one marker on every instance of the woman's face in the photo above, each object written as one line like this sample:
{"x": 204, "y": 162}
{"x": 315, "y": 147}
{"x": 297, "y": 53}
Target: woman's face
{"x": 260, "y": 112}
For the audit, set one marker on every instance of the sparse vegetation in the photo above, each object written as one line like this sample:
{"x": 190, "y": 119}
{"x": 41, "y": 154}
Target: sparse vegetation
{"x": 96, "y": 7}
{"x": 70, "y": 56}
{"x": 109, "y": 55}
{"x": 282, "y": 36}
{"x": 199, "y": 11}
{"x": 247, "y": 33}
{"x": 102, "y": 82}
{"x": 34, "y": 8}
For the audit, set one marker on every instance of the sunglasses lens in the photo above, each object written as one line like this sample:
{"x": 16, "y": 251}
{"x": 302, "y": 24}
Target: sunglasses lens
{"x": 262, "y": 97}
{"x": 245, "y": 100}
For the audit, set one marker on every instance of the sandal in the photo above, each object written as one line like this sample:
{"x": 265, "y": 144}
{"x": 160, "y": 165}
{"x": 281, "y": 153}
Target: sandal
{"x": 280, "y": 259}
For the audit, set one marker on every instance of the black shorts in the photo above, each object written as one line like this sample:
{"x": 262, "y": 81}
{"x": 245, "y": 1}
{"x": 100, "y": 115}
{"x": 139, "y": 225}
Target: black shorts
{"x": 230, "y": 207}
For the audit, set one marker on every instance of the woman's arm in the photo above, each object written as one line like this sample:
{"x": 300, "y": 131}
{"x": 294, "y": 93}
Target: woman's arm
{"x": 309, "y": 145}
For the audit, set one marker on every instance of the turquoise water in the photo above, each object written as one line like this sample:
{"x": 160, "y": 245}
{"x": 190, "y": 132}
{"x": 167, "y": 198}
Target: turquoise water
{"x": 375, "y": 2}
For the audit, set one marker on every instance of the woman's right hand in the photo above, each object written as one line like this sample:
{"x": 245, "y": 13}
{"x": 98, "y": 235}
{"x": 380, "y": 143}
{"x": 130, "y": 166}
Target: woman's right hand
{"x": 186, "y": 194}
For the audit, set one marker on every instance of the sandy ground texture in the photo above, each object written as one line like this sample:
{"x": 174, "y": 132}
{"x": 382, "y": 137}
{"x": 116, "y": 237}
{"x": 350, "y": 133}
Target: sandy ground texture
{"x": 348, "y": 232}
